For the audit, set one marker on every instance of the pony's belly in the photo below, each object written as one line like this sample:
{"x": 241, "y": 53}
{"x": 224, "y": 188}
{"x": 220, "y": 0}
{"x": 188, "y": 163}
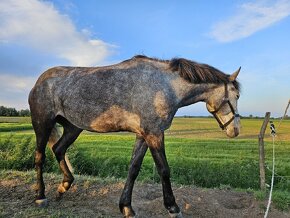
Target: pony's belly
{"x": 116, "y": 119}
{"x": 103, "y": 128}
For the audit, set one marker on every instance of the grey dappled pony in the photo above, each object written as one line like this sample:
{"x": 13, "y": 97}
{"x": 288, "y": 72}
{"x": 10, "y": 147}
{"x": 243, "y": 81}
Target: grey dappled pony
{"x": 139, "y": 95}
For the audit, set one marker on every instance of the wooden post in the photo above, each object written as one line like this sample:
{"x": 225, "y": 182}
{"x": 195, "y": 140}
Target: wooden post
{"x": 285, "y": 113}
{"x": 262, "y": 151}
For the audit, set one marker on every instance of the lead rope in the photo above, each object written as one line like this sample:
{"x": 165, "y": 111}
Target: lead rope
{"x": 273, "y": 133}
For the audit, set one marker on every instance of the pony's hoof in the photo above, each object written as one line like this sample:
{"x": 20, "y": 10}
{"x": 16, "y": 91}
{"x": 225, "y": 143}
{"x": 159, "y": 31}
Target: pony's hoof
{"x": 61, "y": 189}
{"x": 128, "y": 212}
{"x": 41, "y": 202}
{"x": 176, "y": 215}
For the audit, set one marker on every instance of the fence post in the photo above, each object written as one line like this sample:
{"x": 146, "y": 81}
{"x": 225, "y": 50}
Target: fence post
{"x": 262, "y": 151}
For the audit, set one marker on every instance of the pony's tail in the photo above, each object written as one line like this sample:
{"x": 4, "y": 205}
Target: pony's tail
{"x": 53, "y": 138}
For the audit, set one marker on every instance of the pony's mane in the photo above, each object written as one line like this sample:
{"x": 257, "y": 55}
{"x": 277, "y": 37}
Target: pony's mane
{"x": 194, "y": 72}
{"x": 149, "y": 58}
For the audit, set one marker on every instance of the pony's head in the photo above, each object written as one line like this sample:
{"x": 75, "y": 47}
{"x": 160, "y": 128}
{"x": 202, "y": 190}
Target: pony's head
{"x": 222, "y": 104}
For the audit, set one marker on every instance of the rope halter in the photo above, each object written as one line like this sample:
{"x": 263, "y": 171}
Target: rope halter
{"x": 225, "y": 101}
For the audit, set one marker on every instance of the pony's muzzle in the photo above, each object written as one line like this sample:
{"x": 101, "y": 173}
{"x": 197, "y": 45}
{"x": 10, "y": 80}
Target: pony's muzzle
{"x": 233, "y": 130}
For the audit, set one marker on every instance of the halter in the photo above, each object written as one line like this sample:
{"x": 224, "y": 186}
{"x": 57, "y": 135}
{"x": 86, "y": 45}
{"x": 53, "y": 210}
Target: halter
{"x": 224, "y": 102}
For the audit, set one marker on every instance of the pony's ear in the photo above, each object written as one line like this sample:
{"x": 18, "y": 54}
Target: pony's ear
{"x": 234, "y": 76}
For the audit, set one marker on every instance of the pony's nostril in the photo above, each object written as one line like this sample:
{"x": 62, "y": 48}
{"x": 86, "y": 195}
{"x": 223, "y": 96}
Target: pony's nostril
{"x": 236, "y": 130}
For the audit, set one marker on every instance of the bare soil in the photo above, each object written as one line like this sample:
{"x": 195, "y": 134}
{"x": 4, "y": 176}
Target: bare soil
{"x": 92, "y": 197}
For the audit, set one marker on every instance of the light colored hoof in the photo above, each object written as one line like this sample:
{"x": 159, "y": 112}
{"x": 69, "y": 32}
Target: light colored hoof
{"x": 128, "y": 212}
{"x": 61, "y": 189}
{"x": 176, "y": 215}
{"x": 66, "y": 185}
{"x": 41, "y": 202}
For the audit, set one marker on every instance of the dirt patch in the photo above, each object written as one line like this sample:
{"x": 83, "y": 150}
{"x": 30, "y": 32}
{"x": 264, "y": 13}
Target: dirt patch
{"x": 90, "y": 197}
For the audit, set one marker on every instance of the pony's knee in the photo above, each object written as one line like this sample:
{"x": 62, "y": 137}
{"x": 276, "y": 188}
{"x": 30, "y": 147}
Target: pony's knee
{"x": 164, "y": 173}
{"x": 39, "y": 158}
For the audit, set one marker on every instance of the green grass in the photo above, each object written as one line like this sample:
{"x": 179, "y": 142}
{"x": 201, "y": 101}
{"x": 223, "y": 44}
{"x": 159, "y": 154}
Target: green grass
{"x": 15, "y": 119}
{"x": 281, "y": 199}
{"x": 198, "y": 153}
{"x": 15, "y": 127}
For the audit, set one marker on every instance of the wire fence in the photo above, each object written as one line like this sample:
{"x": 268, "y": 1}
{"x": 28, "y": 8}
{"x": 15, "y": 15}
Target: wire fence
{"x": 273, "y": 133}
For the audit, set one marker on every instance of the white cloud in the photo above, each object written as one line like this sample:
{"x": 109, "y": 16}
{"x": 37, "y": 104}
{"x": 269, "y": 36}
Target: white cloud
{"x": 39, "y": 25}
{"x": 16, "y": 84}
{"x": 250, "y": 18}
{"x": 15, "y": 89}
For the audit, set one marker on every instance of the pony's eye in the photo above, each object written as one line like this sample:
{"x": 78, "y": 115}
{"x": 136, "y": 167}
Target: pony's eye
{"x": 238, "y": 96}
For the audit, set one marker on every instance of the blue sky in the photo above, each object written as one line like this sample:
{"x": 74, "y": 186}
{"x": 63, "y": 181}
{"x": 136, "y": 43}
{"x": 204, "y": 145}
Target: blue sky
{"x": 36, "y": 35}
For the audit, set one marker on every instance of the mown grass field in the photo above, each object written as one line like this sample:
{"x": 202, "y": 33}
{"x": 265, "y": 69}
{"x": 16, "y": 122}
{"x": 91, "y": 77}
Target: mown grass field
{"x": 198, "y": 153}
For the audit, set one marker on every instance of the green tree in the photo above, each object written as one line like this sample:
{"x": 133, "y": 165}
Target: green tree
{"x": 12, "y": 112}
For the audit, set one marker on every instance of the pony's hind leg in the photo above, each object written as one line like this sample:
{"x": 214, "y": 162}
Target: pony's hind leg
{"x": 70, "y": 134}
{"x": 42, "y": 132}
{"x": 135, "y": 165}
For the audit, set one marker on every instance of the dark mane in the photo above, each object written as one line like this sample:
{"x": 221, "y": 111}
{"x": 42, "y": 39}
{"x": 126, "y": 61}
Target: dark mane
{"x": 194, "y": 72}
{"x": 199, "y": 73}
{"x": 149, "y": 58}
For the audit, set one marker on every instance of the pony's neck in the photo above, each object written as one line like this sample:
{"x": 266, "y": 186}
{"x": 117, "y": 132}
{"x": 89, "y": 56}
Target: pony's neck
{"x": 196, "y": 93}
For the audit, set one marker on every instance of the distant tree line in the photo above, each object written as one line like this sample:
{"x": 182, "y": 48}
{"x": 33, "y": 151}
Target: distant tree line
{"x": 12, "y": 112}
{"x": 242, "y": 117}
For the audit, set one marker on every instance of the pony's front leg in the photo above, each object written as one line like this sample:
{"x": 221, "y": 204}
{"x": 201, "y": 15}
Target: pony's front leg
{"x": 156, "y": 145}
{"x": 135, "y": 165}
